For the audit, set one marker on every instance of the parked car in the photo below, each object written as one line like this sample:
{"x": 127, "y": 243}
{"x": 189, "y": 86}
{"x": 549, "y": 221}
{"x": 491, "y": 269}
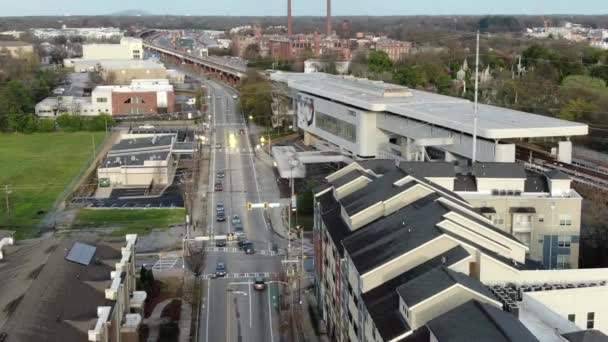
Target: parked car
{"x": 221, "y": 174}
{"x": 220, "y": 269}
{"x": 221, "y": 216}
{"x": 259, "y": 284}
{"x": 236, "y": 220}
{"x": 220, "y": 243}
{"x": 219, "y": 207}
{"x": 219, "y": 186}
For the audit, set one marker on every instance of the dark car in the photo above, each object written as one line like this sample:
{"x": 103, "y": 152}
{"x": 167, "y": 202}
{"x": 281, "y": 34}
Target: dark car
{"x": 259, "y": 284}
{"x": 221, "y": 174}
{"x": 241, "y": 131}
{"x": 249, "y": 250}
{"x": 219, "y": 186}
{"x": 244, "y": 244}
{"x": 220, "y": 269}
{"x": 221, "y": 216}
{"x": 220, "y": 243}
{"x": 219, "y": 207}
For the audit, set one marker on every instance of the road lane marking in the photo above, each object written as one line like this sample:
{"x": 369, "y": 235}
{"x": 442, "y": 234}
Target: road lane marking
{"x": 208, "y": 307}
{"x": 270, "y": 316}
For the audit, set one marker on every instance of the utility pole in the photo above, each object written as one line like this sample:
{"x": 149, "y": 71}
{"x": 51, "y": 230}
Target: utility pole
{"x": 7, "y": 192}
{"x": 476, "y": 105}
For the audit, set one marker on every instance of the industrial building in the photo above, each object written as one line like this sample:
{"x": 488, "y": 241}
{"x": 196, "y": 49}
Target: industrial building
{"x": 139, "y": 161}
{"x": 73, "y": 288}
{"x": 400, "y": 257}
{"x": 117, "y": 71}
{"x": 129, "y": 48}
{"x": 372, "y": 119}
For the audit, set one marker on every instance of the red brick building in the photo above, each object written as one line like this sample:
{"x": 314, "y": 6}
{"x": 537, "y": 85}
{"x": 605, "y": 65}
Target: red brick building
{"x": 143, "y": 102}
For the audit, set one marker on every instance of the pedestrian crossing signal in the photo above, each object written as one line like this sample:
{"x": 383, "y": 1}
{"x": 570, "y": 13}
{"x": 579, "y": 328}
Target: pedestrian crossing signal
{"x": 249, "y": 206}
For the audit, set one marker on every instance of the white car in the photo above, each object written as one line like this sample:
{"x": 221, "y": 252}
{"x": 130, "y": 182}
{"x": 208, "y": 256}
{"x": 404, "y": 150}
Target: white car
{"x": 235, "y": 97}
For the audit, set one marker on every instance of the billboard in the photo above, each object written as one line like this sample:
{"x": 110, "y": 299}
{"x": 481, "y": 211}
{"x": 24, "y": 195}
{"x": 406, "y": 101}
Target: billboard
{"x": 305, "y": 110}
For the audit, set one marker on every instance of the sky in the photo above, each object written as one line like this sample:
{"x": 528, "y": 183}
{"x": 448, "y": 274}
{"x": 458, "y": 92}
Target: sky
{"x": 303, "y": 7}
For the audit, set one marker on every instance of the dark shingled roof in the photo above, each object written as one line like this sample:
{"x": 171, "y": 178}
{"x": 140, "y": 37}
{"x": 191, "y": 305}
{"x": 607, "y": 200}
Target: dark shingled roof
{"x": 499, "y": 170}
{"x": 351, "y": 176}
{"x": 379, "y": 166}
{"x": 332, "y": 219}
{"x": 465, "y": 183}
{"x": 535, "y": 182}
{"x": 382, "y": 302}
{"x": 378, "y": 190}
{"x": 435, "y": 281}
{"x": 557, "y": 174}
{"x": 475, "y": 321}
{"x": 388, "y": 237}
{"x": 61, "y": 304}
{"x": 591, "y": 335}
{"x": 428, "y": 169}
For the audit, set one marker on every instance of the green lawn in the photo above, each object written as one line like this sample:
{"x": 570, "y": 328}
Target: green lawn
{"x": 135, "y": 221}
{"x": 37, "y": 168}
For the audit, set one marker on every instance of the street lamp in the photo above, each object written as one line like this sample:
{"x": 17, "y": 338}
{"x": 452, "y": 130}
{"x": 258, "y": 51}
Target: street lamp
{"x": 250, "y": 117}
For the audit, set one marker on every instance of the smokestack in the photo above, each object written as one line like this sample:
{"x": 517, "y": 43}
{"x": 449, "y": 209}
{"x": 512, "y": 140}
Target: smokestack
{"x": 329, "y": 28}
{"x": 289, "y": 19}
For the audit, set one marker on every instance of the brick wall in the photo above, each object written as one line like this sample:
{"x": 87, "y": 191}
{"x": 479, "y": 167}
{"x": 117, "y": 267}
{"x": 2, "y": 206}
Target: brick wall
{"x": 120, "y": 105}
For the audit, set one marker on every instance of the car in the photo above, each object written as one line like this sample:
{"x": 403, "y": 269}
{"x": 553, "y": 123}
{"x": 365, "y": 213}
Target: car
{"x": 219, "y": 207}
{"x": 218, "y": 97}
{"x": 236, "y": 220}
{"x": 244, "y": 244}
{"x": 235, "y": 97}
{"x": 259, "y": 284}
{"x": 221, "y": 174}
{"x": 241, "y": 131}
{"x": 220, "y": 243}
{"x": 221, "y": 216}
{"x": 219, "y": 186}
{"x": 249, "y": 250}
{"x": 220, "y": 269}
{"x": 218, "y": 145}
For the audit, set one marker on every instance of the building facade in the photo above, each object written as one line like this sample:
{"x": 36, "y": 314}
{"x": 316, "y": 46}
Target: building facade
{"x": 16, "y": 49}
{"x": 398, "y": 257}
{"x": 129, "y": 48}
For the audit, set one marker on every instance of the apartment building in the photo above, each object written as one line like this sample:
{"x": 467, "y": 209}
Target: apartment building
{"x": 542, "y": 211}
{"x": 81, "y": 289}
{"x": 399, "y": 257}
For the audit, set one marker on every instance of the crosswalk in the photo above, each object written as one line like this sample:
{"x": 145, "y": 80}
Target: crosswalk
{"x": 236, "y": 250}
{"x": 245, "y": 151}
{"x": 249, "y": 275}
{"x": 166, "y": 263}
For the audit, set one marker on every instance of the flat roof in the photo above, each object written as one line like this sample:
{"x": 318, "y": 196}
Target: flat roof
{"x": 450, "y": 112}
{"x": 157, "y": 141}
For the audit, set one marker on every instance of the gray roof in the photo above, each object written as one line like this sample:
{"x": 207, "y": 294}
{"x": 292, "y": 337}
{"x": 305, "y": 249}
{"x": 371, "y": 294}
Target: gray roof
{"x": 591, "y": 335}
{"x": 465, "y": 183}
{"x": 499, "y": 170}
{"x": 535, "y": 182}
{"x": 435, "y": 281}
{"x": 556, "y": 174}
{"x": 332, "y": 219}
{"x": 349, "y": 177}
{"x": 379, "y": 166}
{"x": 139, "y": 143}
{"x": 428, "y": 169}
{"x": 378, "y": 190}
{"x": 135, "y": 159}
{"x": 382, "y": 302}
{"x": 392, "y": 236}
{"x": 475, "y": 321}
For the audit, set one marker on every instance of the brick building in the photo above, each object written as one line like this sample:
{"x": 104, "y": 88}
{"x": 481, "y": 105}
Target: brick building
{"x": 138, "y": 98}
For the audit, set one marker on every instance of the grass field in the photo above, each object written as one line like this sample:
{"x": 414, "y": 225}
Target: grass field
{"x": 37, "y": 168}
{"x": 136, "y": 221}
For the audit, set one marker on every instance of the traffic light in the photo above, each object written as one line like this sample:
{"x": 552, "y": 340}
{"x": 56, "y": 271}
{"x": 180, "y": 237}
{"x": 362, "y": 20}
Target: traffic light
{"x": 266, "y": 206}
{"x": 249, "y": 206}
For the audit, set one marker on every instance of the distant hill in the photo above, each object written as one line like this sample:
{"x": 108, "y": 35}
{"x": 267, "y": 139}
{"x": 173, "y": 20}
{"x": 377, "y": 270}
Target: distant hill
{"x": 130, "y": 13}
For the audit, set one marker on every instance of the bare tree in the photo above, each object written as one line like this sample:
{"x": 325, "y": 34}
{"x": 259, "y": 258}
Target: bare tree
{"x": 195, "y": 257}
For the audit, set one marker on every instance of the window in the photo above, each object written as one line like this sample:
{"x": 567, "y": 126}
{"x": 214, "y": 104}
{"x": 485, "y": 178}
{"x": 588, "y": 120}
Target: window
{"x": 102, "y": 99}
{"x": 340, "y": 128}
{"x": 541, "y": 218}
{"x": 499, "y": 220}
{"x": 590, "y": 320}
{"x": 563, "y": 261}
{"x": 564, "y": 241}
{"x": 565, "y": 220}
{"x": 135, "y": 100}
{"x": 572, "y": 317}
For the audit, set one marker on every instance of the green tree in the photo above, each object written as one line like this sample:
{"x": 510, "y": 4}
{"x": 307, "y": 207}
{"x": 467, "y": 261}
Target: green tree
{"x": 252, "y": 52}
{"x": 378, "y": 61}
{"x": 576, "y": 109}
{"x": 600, "y": 71}
{"x": 411, "y": 76}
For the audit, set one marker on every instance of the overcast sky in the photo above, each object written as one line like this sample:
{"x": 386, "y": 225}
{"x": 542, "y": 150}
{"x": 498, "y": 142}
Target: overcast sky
{"x": 303, "y": 7}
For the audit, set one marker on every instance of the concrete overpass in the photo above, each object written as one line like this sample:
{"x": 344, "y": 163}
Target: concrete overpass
{"x": 216, "y": 67}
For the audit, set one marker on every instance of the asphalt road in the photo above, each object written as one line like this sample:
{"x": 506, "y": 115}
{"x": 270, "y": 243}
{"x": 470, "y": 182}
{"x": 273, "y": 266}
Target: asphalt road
{"x": 232, "y": 310}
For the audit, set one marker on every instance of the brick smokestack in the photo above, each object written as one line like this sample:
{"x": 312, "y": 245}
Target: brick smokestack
{"x": 329, "y": 27}
{"x": 289, "y": 19}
